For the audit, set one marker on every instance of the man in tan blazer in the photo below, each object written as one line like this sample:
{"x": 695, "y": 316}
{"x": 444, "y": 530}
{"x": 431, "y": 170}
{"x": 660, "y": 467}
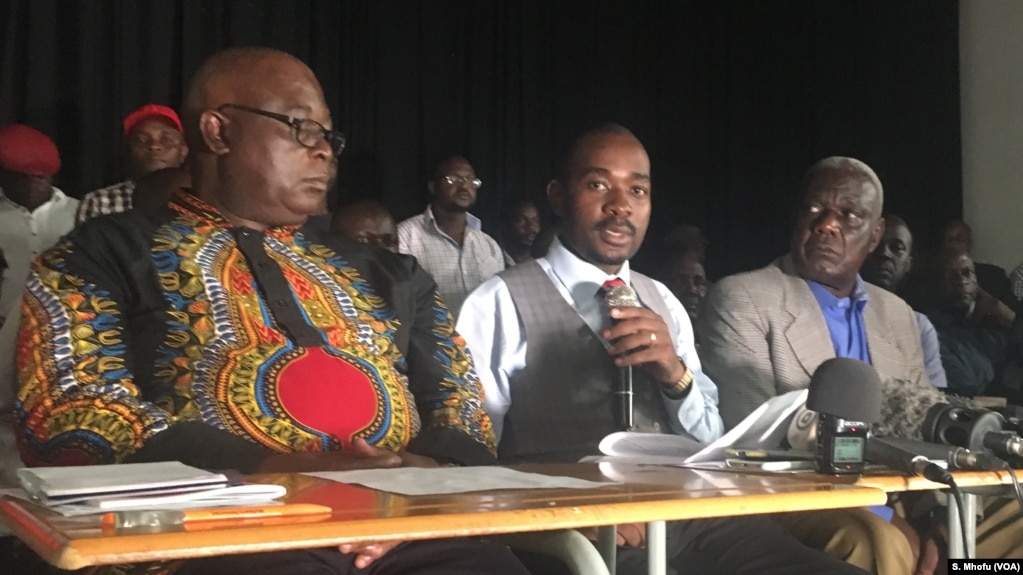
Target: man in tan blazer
{"x": 765, "y": 332}
{"x": 764, "y": 335}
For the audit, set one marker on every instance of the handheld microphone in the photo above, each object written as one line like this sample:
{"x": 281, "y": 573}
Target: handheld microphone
{"x": 618, "y": 297}
{"x": 887, "y": 453}
{"x": 847, "y": 394}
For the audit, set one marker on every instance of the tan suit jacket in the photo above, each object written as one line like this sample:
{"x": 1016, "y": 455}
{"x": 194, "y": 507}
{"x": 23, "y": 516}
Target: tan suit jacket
{"x": 763, "y": 334}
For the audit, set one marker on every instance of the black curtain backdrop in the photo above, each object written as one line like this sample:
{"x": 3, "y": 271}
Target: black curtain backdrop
{"x": 733, "y": 99}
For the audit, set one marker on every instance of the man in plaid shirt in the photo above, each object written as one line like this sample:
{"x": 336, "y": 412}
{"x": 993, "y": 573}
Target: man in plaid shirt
{"x": 155, "y": 141}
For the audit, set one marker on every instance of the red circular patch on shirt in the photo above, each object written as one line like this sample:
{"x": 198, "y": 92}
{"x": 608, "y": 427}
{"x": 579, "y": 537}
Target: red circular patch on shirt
{"x": 328, "y": 394}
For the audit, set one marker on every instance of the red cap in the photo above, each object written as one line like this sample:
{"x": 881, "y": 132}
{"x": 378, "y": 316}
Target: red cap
{"x": 25, "y": 150}
{"x": 151, "y": 111}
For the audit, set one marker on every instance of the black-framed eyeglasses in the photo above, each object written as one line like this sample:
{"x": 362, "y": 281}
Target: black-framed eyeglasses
{"x": 307, "y": 132}
{"x": 456, "y": 180}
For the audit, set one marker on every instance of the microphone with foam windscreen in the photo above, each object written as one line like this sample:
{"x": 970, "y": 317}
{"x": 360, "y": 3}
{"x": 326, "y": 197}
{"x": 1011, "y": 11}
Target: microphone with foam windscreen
{"x": 621, "y": 296}
{"x": 846, "y": 393}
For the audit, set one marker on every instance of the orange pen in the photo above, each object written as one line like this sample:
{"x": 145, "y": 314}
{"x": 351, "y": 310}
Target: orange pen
{"x": 220, "y": 515}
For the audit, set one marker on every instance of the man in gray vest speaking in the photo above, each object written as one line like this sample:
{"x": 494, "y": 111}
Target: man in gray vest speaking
{"x": 548, "y": 352}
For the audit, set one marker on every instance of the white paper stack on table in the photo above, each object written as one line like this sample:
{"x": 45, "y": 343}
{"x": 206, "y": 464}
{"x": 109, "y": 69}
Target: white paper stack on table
{"x": 765, "y": 428}
{"x": 83, "y": 489}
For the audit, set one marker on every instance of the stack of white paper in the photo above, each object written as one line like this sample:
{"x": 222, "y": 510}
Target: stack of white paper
{"x": 84, "y": 489}
{"x": 57, "y": 485}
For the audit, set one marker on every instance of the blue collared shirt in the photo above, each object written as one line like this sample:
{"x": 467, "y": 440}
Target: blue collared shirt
{"x": 844, "y": 316}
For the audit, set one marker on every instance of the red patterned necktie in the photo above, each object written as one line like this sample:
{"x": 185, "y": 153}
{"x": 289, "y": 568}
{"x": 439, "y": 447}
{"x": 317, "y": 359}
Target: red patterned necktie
{"x": 611, "y": 283}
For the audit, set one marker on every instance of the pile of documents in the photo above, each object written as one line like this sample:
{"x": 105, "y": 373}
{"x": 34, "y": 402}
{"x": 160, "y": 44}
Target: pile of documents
{"x": 87, "y": 489}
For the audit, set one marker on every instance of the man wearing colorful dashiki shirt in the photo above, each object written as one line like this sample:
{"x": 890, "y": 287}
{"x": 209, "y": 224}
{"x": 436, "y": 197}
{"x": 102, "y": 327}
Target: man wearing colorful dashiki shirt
{"x": 216, "y": 333}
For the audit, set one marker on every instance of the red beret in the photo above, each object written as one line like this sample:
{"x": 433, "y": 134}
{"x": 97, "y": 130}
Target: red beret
{"x": 25, "y": 150}
{"x": 151, "y": 111}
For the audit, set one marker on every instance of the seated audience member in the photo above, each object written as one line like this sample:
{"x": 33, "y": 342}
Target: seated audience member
{"x": 520, "y": 225}
{"x": 981, "y": 339}
{"x": 154, "y": 139}
{"x": 199, "y": 294}
{"x": 447, "y": 240}
{"x": 957, "y": 235}
{"x": 765, "y": 332}
{"x": 366, "y": 222}
{"x": 548, "y": 350}
{"x": 886, "y": 267}
{"x": 682, "y": 272}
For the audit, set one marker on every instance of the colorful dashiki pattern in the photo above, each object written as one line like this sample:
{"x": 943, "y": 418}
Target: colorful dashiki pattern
{"x": 223, "y": 358}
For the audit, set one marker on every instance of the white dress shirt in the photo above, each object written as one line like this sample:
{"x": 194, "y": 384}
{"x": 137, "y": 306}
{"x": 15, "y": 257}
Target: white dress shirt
{"x": 24, "y": 235}
{"x": 457, "y": 269}
{"x": 492, "y": 330}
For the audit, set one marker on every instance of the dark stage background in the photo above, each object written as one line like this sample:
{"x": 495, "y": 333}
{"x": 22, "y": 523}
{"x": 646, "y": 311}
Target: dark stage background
{"x": 733, "y": 99}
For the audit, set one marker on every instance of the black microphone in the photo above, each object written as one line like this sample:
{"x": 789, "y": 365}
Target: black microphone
{"x": 1004, "y": 443}
{"x": 618, "y": 297}
{"x": 955, "y": 457}
{"x": 847, "y": 394}
{"x": 884, "y": 451}
{"x": 975, "y": 429}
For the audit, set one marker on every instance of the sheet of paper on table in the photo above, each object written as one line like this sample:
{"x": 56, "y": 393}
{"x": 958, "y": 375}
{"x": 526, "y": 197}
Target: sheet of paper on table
{"x": 435, "y": 481}
{"x": 765, "y": 428}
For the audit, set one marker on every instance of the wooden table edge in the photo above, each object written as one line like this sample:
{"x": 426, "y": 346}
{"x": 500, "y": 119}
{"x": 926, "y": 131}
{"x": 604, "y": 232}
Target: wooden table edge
{"x": 78, "y": 553}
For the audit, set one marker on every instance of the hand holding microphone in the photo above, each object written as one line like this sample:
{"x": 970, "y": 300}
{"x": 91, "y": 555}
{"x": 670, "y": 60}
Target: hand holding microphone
{"x": 639, "y": 337}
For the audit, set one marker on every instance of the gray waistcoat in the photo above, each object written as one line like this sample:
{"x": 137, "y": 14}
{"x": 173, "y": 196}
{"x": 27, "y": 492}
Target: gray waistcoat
{"x": 561, "y": 402}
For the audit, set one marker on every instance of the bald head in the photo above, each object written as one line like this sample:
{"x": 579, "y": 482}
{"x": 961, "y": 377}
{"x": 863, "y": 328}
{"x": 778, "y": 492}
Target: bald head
{"x": 236, "y": 75}
{"x": 240, "y": 114}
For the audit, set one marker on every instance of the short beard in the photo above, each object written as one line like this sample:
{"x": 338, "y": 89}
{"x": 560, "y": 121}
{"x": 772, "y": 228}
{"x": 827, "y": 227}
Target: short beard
{"x": 453, "y": 208}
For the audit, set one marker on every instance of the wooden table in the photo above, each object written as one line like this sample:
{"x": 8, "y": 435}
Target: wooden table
{"x": 894, "y": 482}
{"x": 634, "y": 493}
{"x": 965, "y": 480}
